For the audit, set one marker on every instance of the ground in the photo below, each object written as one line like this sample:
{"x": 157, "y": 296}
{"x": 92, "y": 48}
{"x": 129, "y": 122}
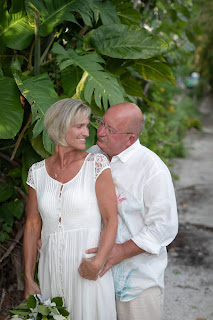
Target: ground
{"x": 189, "y": 276}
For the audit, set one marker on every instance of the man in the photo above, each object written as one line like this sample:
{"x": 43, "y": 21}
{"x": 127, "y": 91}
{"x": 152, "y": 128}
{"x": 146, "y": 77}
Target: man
{"x": 147, "y": 214}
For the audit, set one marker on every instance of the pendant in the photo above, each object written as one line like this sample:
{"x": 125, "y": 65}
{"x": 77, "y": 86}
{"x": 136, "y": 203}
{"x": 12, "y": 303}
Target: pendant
{"x": 55, "y": 176}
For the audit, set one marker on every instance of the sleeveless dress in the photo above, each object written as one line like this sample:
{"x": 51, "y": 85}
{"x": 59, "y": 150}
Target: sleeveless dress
{"x": 71, "y": 223}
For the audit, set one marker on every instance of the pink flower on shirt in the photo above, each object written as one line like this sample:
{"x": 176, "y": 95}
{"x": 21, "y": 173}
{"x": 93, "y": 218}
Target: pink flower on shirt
{"x": 119, "y": 199}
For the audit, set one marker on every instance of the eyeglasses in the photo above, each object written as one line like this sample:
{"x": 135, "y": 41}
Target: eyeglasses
{"x": 101, "y": 123}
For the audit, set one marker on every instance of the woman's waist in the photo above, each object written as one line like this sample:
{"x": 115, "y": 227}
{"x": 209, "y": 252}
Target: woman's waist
{"x": 62, "y": 224}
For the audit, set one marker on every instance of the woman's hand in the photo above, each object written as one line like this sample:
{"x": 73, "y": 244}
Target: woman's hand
{"x": 89, "y": 268}
{"x": 31, "y": 288}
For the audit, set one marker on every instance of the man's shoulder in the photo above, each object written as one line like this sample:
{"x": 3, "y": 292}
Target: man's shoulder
{"x": 95, "y": 149}
{"x": 151, "y": 159}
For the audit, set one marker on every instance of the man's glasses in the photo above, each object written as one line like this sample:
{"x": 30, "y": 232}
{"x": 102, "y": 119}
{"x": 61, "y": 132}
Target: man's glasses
{"x": 101, "y": 123}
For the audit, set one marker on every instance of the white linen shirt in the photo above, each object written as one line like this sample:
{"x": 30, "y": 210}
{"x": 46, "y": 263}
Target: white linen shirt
{"x": 147, "y": 214}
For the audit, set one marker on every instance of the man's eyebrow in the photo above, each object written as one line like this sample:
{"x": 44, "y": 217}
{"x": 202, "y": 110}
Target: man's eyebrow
{"x": 108, "y": 125}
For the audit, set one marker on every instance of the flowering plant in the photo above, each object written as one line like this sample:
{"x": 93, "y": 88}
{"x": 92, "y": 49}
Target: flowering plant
{"x": 37, "y": 309}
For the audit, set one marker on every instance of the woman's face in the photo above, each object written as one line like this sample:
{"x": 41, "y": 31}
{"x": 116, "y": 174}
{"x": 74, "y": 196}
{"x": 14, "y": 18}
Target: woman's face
{"x": 76, "y": 135}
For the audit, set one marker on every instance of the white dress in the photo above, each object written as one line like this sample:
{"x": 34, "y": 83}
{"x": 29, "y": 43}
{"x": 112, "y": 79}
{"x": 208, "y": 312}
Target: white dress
{"x": 71, "y": 223}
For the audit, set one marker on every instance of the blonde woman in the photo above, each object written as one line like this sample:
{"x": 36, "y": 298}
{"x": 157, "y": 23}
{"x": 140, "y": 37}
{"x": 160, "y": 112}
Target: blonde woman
{"x": 70, "y": 194}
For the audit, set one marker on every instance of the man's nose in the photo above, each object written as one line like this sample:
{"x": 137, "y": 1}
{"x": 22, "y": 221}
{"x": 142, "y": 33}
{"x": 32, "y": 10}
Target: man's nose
{"x": 101, "y": 130}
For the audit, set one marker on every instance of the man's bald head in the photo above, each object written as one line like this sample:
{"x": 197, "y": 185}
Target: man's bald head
{"x": 130, "y": 115}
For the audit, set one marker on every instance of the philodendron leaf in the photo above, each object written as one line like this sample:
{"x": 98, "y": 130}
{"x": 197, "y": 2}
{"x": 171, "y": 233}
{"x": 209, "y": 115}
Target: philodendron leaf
{"x": 95, "y": 79}
{"x": 53, "y": 13}
{"x": 15, "y": 31}
{"x": 40, "y": 93}
{"x": 122, "y": 41}
{"x": 154, "y": 70}
{"x": 11, "y": 109}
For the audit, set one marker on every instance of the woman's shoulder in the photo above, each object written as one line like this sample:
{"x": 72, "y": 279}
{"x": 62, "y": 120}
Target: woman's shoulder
{"x": 98, "y": 158}
{"x": 37, "y": 165}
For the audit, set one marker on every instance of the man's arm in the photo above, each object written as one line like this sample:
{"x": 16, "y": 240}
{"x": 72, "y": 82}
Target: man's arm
{"x": 119, "y": 253}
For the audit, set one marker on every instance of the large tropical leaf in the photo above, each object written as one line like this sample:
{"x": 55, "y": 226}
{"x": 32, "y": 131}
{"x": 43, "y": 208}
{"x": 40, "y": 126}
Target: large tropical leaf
{"x": 121, "y": 41}
{"x": 128, "y": 15}
{"x": 70, "y": 78}
{"x": 11, "y": 109}
{"x": 132, "y": 86}
{"x": 104, "y": 85}
{"x": 39, "y": 92}
{"x": 15, "y": 30}
{"x": 106, "y": 11}
{"x": 154, "y": 70}
{"x": 52, "y": 13}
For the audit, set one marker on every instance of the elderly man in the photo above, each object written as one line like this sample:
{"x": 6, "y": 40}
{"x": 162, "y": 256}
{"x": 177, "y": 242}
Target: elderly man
{"x": 147, "y": 214}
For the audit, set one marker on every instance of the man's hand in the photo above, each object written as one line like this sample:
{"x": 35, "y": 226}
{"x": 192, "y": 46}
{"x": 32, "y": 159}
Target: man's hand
{"x": 89, "y": 268}
{"x": 115, "y": 257}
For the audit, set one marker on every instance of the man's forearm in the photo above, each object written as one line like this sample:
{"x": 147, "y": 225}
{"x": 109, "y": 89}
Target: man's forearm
{"x": 130, "y": 249}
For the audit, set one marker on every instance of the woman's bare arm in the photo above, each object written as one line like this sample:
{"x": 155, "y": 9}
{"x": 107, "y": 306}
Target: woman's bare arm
{"x": 106, "y": 197}
{"x": 32, "y": 233}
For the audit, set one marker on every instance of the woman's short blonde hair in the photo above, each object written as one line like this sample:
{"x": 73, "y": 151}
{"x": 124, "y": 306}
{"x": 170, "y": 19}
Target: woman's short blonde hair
{"x": 62, "y": 115}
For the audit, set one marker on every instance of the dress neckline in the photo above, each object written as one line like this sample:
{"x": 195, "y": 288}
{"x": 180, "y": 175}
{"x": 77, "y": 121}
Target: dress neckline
{"x": 70, "y": 179}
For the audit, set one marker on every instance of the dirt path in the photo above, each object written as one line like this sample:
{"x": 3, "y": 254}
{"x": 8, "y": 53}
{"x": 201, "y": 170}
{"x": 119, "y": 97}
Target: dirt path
{"x": 189, "y": 276}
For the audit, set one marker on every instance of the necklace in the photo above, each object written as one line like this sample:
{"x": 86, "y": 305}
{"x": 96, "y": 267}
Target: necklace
{"x": 56, "y": 174}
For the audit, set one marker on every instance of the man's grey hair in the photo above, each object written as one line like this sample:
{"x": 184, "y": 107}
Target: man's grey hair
{"x": 62, "y": 115}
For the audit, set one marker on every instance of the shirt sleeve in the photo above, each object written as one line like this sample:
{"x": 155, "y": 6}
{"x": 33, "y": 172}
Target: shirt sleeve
{"x": 161, "y": 222}
{"x": 30, "y": 178}
{"x": 101, "y": 164}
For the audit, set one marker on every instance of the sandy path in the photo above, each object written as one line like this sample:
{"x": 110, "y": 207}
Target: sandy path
{"x": 189, "y": 275}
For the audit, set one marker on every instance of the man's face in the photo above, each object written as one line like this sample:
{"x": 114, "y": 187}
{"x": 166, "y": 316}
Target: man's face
{"x": 113, "y": 144}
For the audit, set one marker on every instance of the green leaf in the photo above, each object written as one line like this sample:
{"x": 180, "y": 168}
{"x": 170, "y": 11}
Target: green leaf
{"x": 53, "y": 13}
{"x": 15, "y": 31}
{"x": 6, "y": 192}
{"x": 48, "y": 144}
{"x": 154, "y": 70}
{"x": 70, "y": 78}
{"x": 106, "y": 11}
{"x": 31, "y": 302}
{"x": 131, "y": 85}
{"x": 10, "y": 210}
{"x": 11, "y": 109}
{"x": 2, "y": 236}
{"x": 63, "y": 311}
{"x": 5, "y": 214}
{"x": 58, "y": 301}
{"x": 40, "y": 93}
{"x": 14, "y": 173}
{"x": 95, "y": 79}
{"x": 90, "y": 141}
{"x": 6, "y": 228}
{"x": 38, "y": 146}
{"x": 43, "y": 310}
{"x": 17, "y": 5}
{"x": 29, "y": 157}
{"x": 130, "y": 17}
{"x": 121, "y": 41}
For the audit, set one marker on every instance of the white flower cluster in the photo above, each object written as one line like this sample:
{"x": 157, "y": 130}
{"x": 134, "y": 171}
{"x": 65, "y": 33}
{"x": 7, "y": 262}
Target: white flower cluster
{"x": 41, "y": 306}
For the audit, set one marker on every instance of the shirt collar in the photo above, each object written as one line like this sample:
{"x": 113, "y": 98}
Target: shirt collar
{"x": 127, "y": 153}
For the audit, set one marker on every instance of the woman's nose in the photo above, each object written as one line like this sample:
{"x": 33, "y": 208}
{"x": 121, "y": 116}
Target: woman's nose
{"x": 86, "y": 131}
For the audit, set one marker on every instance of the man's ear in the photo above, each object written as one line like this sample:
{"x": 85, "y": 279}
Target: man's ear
{"x": 132, "y": 139}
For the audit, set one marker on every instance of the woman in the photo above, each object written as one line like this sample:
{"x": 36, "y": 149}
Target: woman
{"x": 68, "y": 194}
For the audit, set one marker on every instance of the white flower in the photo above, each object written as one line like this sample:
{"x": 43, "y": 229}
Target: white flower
{"x": 16, "y": 317}
{"x": 49, "y": 303}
